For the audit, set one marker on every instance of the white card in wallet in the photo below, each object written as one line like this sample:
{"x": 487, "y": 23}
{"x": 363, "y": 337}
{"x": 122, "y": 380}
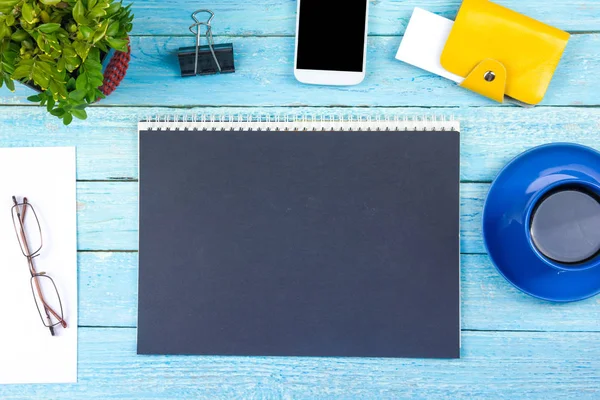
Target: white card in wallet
{"x": 424, "y": 41}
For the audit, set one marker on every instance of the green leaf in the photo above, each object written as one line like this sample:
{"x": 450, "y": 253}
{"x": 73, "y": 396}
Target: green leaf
{"x": 57, "y": 112}
{"x": 93, "y": 68}
{"x": 81, "y": 114}
{"x": 86, "y": 31}
{"x": 97, "y": 12}
{"x": 23, "y": 71}
{"x": 10, "y": 20}
{"x": 102, "y": 46}
{"x": 49, "y": 44}
{"x": 40, "y": 78}
{"x": 91, "y": 3}
{"x": 118, "y": 44}
{"x": 43, "y": 44}
{"x": 95, "y": 82}
{"x": 27, "y": 44}
{"x": 8, "y": 57}
{"x": 94, "y": 54}
{"x": 71, "y": 66}
{"x": 35, "y": 98}
{"x": 113, "y": 8}
{"x": 93, "y": 64}
{"x": 113, "y": 29}
{"x": 81, "y": 82}
{"x": 49, "y": 28}
{"x": 44, "y": 67}
{"x": 50, "y": 104}
{"x": 79, "y": 13}
{"x": 77, "y": 95}
{"x": 50, "y": 2}
{"x": 9, "y": 83}
{"x": 27, "y": 13}
{"x": 58, "y": 89}
{"x": 63, "y": 35}
{"x": 69, "y": 51}
{"x": 82, "y": 49}
{"x": 4, "y": 31}
{"x": 67, "y": 119}
{"x": 6, "y": 6}
{"x": 61, "y": 64}
{"x": 101, "y": 31}
{"x": 19, "y": 35}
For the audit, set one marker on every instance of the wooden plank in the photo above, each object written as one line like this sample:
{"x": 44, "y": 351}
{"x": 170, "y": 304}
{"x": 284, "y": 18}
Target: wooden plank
{"x": 386, "y": 17}
{"x": 108, "y": 288}
{"x": 107, "y": 217}
{"x": 499, "y": 365}
{"x": 264, "y": 77}
{"x": 107, "y": 141}
{"x": 108, "y": 297}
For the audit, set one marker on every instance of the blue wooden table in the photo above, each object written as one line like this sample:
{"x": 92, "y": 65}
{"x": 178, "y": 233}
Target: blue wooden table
{"x": 513, "y": 346}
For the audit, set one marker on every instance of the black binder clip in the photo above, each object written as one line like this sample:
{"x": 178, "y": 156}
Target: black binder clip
{"x": 206, "y": 59}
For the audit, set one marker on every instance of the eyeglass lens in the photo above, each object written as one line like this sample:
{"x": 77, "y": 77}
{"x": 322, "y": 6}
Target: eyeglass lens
{"x": 28, "y": 229}
{"x": 49, "y": 306}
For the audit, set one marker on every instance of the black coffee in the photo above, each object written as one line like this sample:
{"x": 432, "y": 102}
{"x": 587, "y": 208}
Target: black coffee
{"x": 565, "y": 226}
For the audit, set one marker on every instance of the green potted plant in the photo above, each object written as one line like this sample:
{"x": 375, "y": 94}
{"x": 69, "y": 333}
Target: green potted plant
{"x": 57, "y": 48}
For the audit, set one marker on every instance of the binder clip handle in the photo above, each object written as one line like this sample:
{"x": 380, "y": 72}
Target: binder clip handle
{"x": 204, "y": 10}
{"x": 209, "y": 36}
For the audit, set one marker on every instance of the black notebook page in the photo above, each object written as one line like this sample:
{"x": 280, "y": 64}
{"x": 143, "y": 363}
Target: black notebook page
{"x": 299, "y": 243}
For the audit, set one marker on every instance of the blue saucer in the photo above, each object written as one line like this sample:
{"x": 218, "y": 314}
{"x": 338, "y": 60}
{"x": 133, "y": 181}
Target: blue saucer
{"x": 506, "y": 217}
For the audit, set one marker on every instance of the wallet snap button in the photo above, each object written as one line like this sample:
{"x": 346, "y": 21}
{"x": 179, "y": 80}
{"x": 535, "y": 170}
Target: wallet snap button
{"x": 489, "y": 76}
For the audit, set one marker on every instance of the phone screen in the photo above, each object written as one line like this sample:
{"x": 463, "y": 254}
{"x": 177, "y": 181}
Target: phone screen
{"x": 331, "y": 35}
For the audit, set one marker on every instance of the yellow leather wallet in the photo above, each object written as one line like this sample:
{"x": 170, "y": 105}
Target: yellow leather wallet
{"x": 503, "y": 53}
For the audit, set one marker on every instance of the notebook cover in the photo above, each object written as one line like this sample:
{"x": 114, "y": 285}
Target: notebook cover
{"x": 299, "y": 244}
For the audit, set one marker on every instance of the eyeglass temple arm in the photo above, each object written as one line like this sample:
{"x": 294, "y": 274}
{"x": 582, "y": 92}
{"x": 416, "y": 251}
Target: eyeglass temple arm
{"x": 21, "y": 216}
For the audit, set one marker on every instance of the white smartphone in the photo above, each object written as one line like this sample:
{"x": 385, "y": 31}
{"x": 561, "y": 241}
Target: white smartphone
{"x": 331, "y": 41}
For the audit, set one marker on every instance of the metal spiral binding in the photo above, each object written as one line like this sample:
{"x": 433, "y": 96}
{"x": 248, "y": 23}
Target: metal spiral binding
{"x": 296, "y": 122}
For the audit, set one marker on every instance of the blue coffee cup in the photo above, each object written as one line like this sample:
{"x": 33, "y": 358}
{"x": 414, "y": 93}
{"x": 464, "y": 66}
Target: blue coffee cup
{"x": 563, "y": 225}
{"x": 541, "y": 222}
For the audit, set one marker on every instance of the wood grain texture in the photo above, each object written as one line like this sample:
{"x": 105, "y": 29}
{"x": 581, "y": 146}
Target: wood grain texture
{"x": 264, "y": 77}
{"x": 108, "y": 297}
{"x": 490, "y": 137}
{"x": 495, "y": 365}
{"x": 386, "y": 17}
{"x": 107, "y": 216}
{"x": 514, "y": 346}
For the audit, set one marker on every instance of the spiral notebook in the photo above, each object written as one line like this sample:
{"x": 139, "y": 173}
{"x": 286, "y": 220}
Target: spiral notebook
{"x": 299, "y": 236}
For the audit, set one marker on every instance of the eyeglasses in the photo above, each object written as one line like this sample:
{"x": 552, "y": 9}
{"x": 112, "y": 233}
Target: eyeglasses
{"x": 29, "y": 234}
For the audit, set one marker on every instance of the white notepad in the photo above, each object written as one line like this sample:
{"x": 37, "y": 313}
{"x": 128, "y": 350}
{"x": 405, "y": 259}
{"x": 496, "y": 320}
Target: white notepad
{"x": 28, "y": 353}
